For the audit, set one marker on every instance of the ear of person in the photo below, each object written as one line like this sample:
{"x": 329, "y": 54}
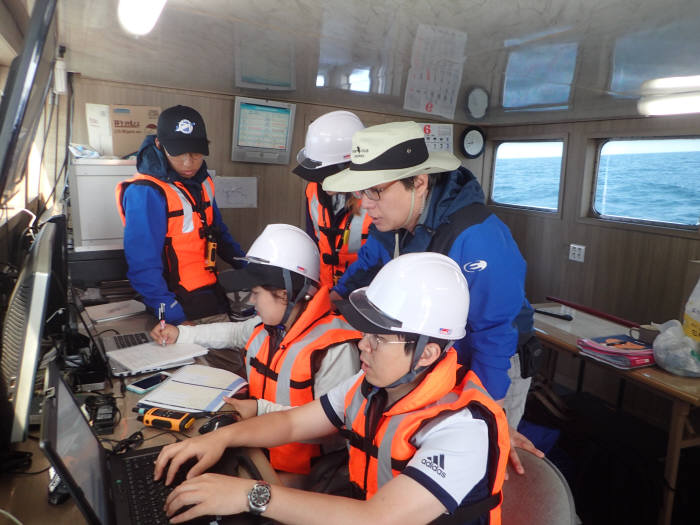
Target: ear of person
{"x": 431, "y": 352}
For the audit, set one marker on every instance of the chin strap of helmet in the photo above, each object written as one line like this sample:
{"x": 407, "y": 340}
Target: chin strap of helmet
{"x": 413, "y": 371}
{"x": 292, "y": 300}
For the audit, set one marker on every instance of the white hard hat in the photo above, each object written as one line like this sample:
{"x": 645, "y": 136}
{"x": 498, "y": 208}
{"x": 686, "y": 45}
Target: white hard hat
{"x": 421, "y": 293}
{"x": 286, "y": 246}
{"x": 329, "y": 140}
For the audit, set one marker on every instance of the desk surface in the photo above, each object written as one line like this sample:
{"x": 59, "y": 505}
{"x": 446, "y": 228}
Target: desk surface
{"x": 564, "y": 335}
{"x": 25, "y": 496}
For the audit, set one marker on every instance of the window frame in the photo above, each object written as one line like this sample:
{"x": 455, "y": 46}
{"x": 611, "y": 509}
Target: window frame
{"x": 490, "y": 160}
{"x": 588, "y": 209}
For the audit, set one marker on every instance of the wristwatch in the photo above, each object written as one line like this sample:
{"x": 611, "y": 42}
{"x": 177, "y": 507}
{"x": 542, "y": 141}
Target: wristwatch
{"x": 259, "y": 497}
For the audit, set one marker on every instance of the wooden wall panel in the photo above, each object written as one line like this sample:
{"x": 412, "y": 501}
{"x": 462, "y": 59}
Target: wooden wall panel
{"x": 280, "y": 193}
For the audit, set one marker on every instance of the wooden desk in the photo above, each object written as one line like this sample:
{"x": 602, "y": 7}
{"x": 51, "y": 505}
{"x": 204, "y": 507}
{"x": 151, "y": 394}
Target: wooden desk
{"x": 25, "y": 496}
{"x": 683, "y": 392}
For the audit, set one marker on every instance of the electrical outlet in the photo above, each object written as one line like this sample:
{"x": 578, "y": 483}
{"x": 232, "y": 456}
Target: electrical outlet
{"x": 577, "y": 252}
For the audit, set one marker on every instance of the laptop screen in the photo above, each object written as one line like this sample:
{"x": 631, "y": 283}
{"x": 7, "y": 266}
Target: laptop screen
{"x": 80, "y": 451}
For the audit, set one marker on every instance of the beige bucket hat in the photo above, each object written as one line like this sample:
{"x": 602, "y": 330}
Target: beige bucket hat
{"x": 386, "y": 153}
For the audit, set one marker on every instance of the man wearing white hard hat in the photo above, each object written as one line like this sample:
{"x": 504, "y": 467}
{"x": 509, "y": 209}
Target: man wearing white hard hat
{"x": 425, "y": 439}
{"x": 425, "y": 201}
{"x": 334, "y": 220}
{"x": 296, "y": 347}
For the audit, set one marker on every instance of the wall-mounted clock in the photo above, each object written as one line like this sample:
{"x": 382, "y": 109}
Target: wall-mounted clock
{"x": 477, "y": 102}
{"x": 472, "y": 142}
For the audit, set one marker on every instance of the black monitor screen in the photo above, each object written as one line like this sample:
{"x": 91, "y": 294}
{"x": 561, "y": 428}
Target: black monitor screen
{"x": 23, "y": 100}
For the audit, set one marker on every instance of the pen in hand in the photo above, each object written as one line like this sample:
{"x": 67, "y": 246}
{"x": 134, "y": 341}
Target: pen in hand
{"x": 161, "y": 318}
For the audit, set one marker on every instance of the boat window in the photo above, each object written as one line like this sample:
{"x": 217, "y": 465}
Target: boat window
{"x": 539, "y": 78}
{"x": 651, "y": 180}
{"x": 528, "y": 174}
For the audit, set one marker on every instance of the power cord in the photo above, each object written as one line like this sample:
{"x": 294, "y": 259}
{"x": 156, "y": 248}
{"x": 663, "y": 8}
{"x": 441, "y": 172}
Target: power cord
{"x": 135, "y": 440}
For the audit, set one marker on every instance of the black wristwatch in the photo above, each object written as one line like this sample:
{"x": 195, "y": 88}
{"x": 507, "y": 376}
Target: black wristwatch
{"x": 259, "y": 497}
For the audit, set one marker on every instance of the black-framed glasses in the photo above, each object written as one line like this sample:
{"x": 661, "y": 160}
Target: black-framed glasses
{"x": 374, "y": 193}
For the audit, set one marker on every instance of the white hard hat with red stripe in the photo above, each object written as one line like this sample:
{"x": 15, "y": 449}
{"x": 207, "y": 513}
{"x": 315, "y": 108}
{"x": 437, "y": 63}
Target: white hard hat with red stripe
{"x": 329, "y": 140}
{"x": 420, "y": 293}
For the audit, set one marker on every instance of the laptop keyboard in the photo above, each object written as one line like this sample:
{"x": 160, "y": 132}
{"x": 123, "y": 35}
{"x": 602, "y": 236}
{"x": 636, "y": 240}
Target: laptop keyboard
{"x": 146, "y": 496}
{"x": 127, "y": 340}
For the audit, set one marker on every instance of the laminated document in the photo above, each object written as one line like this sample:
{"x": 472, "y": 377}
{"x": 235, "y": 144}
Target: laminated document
{"x": 152, "y": 356}
{"x": 195, "y": 388}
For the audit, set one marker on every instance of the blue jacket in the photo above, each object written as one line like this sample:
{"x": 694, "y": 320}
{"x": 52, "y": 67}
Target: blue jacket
{"x": 146, "y": 226}
{"x": 490, "y": 260}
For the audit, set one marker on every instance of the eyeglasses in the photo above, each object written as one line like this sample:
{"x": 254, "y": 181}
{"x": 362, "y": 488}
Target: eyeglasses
{"x": 193, "y": 156}
{"x": 375, "y": 340}
{"x": 374, "y": 193}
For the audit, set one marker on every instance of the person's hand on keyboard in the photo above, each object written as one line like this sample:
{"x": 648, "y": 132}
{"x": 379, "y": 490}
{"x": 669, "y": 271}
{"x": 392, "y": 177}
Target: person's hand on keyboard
{"x": 207, "y": 449}
{"x": 208, "y": 494}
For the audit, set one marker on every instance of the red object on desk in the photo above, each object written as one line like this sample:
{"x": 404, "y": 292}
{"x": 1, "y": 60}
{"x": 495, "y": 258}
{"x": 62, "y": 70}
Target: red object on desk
{"x": 597, "y": 313}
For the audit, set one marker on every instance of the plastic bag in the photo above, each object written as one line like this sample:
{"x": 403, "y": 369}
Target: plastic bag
{"x": 691, "y": 319}
{"x": 83, "y": 151}
{"x": 675, "y": 352}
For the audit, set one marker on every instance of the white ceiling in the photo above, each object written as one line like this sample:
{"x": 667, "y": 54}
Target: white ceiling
{"x": 540, "y": 60}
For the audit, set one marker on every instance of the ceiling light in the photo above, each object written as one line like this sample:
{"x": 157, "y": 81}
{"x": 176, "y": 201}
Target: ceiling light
{"x": 671, "y": 85}
{"x": 672, "y": 104}
{"x": 138, "y": 17}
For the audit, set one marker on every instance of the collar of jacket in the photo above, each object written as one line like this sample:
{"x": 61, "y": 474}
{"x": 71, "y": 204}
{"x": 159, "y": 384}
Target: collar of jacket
{"x": 431, "y": 386}
{"x": 317, "y": 307}
{"x": 452, "y": 191}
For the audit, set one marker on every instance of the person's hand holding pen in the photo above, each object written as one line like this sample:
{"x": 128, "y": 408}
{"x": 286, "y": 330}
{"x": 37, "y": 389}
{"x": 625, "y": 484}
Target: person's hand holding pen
{"x": 165, "y": 333}
{"x": 161, "y": 320}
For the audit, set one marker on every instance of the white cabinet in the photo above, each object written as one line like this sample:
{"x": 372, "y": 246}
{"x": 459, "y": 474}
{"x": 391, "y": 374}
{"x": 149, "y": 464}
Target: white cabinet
{"x": 93, "y": 208}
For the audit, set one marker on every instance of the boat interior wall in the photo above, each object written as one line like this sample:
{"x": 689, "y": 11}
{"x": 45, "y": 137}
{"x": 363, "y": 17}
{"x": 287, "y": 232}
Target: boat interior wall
{"x": 275, "y": 183}
{"x": 633, "y": 270}
{"x": 550, "y": 61}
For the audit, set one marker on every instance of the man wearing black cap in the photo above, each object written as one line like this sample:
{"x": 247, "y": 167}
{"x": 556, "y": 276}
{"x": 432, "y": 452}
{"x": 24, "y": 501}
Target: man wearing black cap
{"x": 173, "y": 229}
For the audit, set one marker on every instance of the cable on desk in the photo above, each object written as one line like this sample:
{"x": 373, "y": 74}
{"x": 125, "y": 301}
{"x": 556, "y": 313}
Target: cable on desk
{"x": 10, "y": 517}
{"x": 31, "y": 473}
{"x": 108, "y": 330}
{"x": 135, "y": 440}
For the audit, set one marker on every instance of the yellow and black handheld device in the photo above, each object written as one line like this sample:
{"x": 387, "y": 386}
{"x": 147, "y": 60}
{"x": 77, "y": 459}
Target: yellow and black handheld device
{"x": 210, "y": 255}
{"x": 167, "y": 419}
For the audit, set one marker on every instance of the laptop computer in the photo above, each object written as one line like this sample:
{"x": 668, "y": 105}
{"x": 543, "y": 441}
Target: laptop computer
{"x": 106, "y": 343}
{"x": 108, "y": 489}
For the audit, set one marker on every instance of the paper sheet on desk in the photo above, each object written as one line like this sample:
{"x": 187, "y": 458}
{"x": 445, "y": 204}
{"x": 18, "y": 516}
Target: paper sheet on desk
{"x": 151, "y": 355}
{"x": 195, "y": 388}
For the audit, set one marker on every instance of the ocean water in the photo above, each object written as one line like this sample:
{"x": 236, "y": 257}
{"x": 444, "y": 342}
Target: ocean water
{"x": 660, "y": 187}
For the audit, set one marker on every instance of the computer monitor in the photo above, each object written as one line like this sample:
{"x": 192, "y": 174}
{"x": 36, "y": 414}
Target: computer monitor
{"x": 22, "y": 103}
{"x": 262, "y": 131}
{"x": 22, "y": 331}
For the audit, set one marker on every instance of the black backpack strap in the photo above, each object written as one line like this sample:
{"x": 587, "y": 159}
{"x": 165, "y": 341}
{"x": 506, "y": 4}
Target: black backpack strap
{"x": 459, "y": 221}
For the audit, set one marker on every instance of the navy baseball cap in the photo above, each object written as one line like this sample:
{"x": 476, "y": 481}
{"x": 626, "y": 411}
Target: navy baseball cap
{"x": 181, "y": 130}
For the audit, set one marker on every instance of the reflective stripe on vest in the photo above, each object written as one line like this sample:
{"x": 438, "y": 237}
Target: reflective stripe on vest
{"x": 357, "y": 230}
{"x": 290, "y": 368}
{"x": 314, "y": 207}
{"x": 184, "y": 247}
{"x": 187, "y": 222}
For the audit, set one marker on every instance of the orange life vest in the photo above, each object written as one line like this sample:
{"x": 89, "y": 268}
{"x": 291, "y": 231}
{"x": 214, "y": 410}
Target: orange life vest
{"x": 287, "y": 377}
{"x": 185, "y": 242}
{"x": 438, "y": 393}
{"x": 338, "y": 244}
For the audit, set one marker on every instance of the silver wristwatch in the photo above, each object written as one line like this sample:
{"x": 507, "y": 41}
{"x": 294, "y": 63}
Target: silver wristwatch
{"x": 259, "y": 497}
